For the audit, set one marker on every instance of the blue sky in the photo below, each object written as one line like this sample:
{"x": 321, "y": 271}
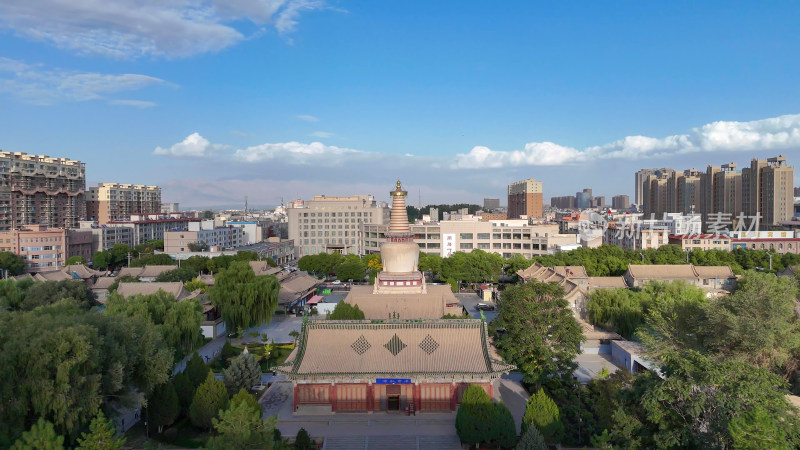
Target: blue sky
{"x": 214, "y": 100}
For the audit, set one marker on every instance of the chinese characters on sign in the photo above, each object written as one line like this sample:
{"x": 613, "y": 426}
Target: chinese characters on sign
{"x": 393, "y": 381}
{"x": 448, "y": 244}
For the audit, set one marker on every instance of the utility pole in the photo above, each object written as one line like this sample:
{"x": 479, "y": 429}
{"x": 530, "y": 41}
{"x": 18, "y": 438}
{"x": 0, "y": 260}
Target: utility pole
{"x": 129, "y": 259}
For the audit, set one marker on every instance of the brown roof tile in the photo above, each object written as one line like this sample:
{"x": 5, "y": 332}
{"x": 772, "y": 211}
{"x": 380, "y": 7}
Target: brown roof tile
{"x": 103, "y": 282}
{"x": 154, "y": 271}
{"x": 409, "y": 306}
{"x": 662, "y": 271}
{"x": 174, "y": 288}
{"x": 394, "y": 348}
{"x": 607, "y": 282}
{"x": 714, "y": 271}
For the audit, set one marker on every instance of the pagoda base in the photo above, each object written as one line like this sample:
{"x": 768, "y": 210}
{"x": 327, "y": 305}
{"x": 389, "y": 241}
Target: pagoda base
{"x": 400, "y": 283}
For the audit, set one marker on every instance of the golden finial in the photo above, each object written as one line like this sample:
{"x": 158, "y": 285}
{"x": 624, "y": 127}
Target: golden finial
{"x": 399, "y": 186}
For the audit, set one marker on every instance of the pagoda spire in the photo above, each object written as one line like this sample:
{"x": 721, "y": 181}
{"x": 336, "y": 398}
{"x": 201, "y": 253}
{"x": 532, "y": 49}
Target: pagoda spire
{"x": 398, "y": 223}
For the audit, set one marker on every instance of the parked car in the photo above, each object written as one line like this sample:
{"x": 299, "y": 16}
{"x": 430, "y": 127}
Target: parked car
{"x": 484, "y": 307}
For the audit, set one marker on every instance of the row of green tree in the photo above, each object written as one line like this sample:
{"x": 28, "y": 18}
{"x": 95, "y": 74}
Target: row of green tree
{"x": 721, "y": 365}
{"x": 611, "y": 260}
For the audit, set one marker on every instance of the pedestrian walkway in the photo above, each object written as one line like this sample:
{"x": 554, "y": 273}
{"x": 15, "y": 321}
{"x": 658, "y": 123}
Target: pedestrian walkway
{"x": 207, "y": 352}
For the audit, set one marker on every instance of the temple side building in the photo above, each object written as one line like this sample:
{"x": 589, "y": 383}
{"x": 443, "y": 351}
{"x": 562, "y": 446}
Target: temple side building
{"x": 405, "y": 356}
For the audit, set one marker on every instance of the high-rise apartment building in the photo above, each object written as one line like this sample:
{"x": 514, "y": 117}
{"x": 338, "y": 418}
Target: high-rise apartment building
{"x": 490, "y": 204}
{"x": 109, "y": 202}
{"x": 765, "y": 189}
{"x": 640, "y": 178}
{"x": 40, "y": 190}
{"x": 599, "y": 201}
{"x": 563, "y": 202}
{"x": 525, "y": 199}
{"x": 768, "y": 190}
{"x": 688, "y": 192}
{"x": 621, "y": 202}
{"x": 727, "y": 191}
{"x": 333, "y": 224}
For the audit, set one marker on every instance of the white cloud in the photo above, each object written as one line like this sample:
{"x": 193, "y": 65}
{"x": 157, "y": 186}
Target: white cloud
{"x": 142, "y": 104}
{"x": 194, "y": 146}
{"x": 38, "y": 85}
{"x": 322, "y": 134}
{"x": 307, "y": 118}
{"x": 133, "y": 28}
{"x": 777, "y": 133}
{"x": 298, "y": 153}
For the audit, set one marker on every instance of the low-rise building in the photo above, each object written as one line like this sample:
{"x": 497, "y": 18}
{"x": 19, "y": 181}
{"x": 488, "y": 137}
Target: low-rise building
{"x": 635, "y": 236}
{"x": 778, "y": 245}
{"x": 503, "y": 237}
{"x": 153, "y": 226}
{"x": 690, "y": 242}
{"x": 46, "y": 249}
{"x": 709, "y": 278}
{"x": 105, "y": 237}
{"x": 221, "y": 238}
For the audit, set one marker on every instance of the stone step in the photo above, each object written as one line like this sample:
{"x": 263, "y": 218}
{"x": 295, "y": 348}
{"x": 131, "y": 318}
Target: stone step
{"x": 345, "y": 443}
{"x": 439, "y": 442}
{"x": 399, "y": 442}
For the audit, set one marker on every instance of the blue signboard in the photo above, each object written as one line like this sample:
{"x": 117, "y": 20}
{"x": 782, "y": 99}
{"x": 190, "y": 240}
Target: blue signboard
{"x": 393, "y": 381}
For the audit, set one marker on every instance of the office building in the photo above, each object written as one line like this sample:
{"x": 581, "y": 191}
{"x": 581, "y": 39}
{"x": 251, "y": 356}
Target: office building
{"x": 583, "y": 199}
{"x": 105, "y": 237}
{"x": 214, "y": 239}
{"x": 525, "y": 199}
{"x": 621, "y": 202}
{"x": 490, "y": 204}
{"x": 332, "y": 224}
{"x": 109, "y": 202}
{"x": 40, "y": 190}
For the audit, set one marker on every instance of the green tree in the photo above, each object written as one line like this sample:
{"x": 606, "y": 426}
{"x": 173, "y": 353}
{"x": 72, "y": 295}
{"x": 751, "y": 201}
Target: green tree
{"x": 246, "y": 255}
{"x": 473, "y": 418}
{"x": 244, "y": 396}
{"x": 210, "y": 398}
{"x": 101, "y": 260}
{"x": 12, "y": 262}
{"x": 351, "y": 271}
{"x": 12, "y": 293}
{"x": 243, "y": 373}
{"x": 756, "y": 429}
{"x": 503, "y": 427}
{"x": 516, "y": 263}
{"x": 75, "y": 260}
{"x": 119, "y": 255}
{"x": 241, "y": 427}
{"x": 184, "y": 389}
{"x": 198, "y": 264}
{"x": 49, "y": 292}
{"x": 208, "y": 214}
{"x": 542, "y": 336}
{"x": 616, "y": 309}
{"x": 271, "y": 262}
{"x": 198, "y": 246}
{"x": 430, "y": 262}
{"x": 757, "y": 323}
{"x": 182, "y": 274}
{"x": 196, "y": 370}
{"x": 532, "y": 439}
{"x": 542, "y": 413}
{"x": 41, "y": 436}
{"x": 242, "y": 298}
{"x": 344, "y": 311}
{"x": 303, "y": 441}
{"x": 195, "y": 284}
{"x": 73, "y": 362}
{"x": 101, "y": 435}
{"x": 163, "y": 406}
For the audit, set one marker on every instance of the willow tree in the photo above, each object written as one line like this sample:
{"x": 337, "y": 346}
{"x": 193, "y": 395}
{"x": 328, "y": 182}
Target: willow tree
{"x": 242, "y": 298}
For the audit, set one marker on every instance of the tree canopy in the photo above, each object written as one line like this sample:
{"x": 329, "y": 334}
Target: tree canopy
{"x": 242, "y": 298}
{"x": 12, "y": 262}
{"x": 345, "y": 311}
{"x": 541, "y": 335}
{"x": 74, "y": 361}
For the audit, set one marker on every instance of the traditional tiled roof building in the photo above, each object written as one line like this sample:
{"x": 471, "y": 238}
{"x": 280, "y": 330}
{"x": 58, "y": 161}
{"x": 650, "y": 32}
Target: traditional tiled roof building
{"x": 405, "y": 356}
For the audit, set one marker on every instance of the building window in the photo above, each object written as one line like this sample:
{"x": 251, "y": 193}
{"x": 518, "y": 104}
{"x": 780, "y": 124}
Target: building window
{"x": 466, "y": 246}
{"x": 483, "y": 235}
{"x": 466, "y": 236}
